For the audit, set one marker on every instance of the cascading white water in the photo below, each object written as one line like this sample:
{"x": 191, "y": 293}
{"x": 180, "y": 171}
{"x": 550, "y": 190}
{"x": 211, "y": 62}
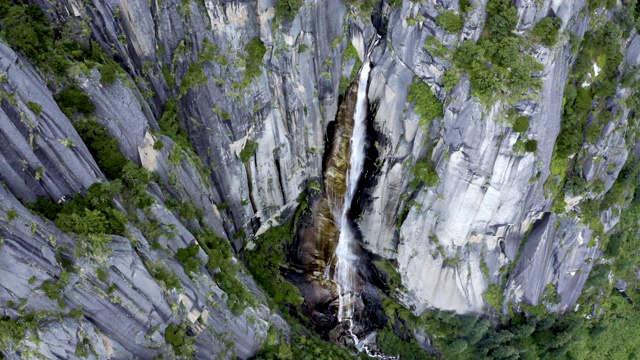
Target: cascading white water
{"x": 344, "y": 274}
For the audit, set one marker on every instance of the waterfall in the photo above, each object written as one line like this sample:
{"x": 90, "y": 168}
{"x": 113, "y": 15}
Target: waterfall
{"x": 345, "y": 257}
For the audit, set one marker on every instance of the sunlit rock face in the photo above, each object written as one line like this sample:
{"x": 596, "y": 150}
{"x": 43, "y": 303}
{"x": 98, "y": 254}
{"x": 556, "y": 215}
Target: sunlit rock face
{"x": 487, "y": 221}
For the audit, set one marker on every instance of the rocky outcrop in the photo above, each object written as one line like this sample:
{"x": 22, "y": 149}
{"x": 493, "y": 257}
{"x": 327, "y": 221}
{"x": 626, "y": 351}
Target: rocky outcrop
{"x": 111, "y": 302}
{"x": 487, "y": 221}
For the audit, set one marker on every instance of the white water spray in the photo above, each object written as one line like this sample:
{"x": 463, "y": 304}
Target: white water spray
{"x": 345, "y": 257}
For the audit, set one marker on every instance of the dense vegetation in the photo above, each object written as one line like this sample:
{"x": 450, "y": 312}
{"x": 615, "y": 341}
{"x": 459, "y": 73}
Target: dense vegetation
{"x": 495, "y": 65}
{"x": 426, "y": 104}
{"x": 592, "y": 82}
{"x": 449, "y": 21}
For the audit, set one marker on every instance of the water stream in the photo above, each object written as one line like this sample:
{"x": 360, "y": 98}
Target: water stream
{"x": 345, "y": 273}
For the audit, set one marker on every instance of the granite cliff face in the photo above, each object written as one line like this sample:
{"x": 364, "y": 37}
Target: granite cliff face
{"x": 488, "y": 220}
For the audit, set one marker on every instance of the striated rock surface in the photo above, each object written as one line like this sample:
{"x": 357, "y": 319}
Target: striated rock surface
{"x": 489, "y": 219}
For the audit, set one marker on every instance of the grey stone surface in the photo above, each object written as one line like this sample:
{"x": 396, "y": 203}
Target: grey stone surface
{"x": 486, "y": 199}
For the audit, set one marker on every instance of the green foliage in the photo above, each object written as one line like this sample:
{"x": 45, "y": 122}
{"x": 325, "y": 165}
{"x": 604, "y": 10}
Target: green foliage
{"x": 169, "y": 76}
{"x": 546, "y": 30}
{"x": 26, "y": 28}
{"x": 494, "y": 296}
{"x": 426, "y": 104}
{"x": 158, "y": 144}
{"x": 92, "y": 214}
{"x": 424, "y": 173}
{"x": 450, "y": 79}
{"x": 176, "y": 336}
{"x": 193, "y": 78}
{"x": 502, "y": 18}
{"x": 248, "y": 150}
{"x": 389, "y": 274}
{"x": 161, "y": 273}
{"x": 104, "y": 148}
{"x": 305, "y": 345}
{"x": 102, "y": 275}
{"x": 450, "y": 21}
{"x": 436, "y": 48}
{"x": 496, "y": 64}
{"x": 531, "y": 145}
{"x": 187, "y": 210}
{"x": 220, "y": 257}
{"x": 35, "y": 107}
{"x": 14, "y": 331}
{"x": 11, "y": 214}
{"x": 602, "y": 47}
{"x": 255, "y": 53}
{"x": 265, "y": 259}
{"x": 465, "y": 6}
{"x": 53, "y": 289}
{"x": 391, "y": 344}
{"x": 73, "y": 99}
{"x": 82, "y": 348}
{"x": 170, "y": 126}
{"x": 109, "y": 72}
{"x": 350, "y": 53}
{"x": 551, "y": 295}
{"x": 187, "y": 257}
{"x": 521, "y": 124}
{"x": 287, "y": 9}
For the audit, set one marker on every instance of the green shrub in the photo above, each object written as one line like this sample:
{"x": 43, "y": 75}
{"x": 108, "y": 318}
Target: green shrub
{"x": 220, "y": 255}
{"x": 27, "y": 29}
{"x": 53, "y": 289}
{"x": 45, "y": 207}
{"x": 287, "y": 9}
{"x": 82, "y": 348}
{"x": 255, "y": 53}
{"x": 391, "y": 344}
{"x": 496, "y": 64}
{"x": 72, "y": 99}
{"x": 170, "y": 126}
{"x": 450, "y": 21}
{"x": 11, "y": 214}
{"x": 35, "y": 107}
{"x": 248, "y": 150}
{"x": 187, "y": 257}
{"x": 104, "y": 148}
{"x": 426, "y": 104}
{"x": 424, "y": 173}
{"x": 182, "y": 344}
{"x": 531, "y": 145}
{"x": 450, "y": 79}
{"x": 265, "y": 259}
{"x": 158, "y": 144}
{"x": 465, "y": 6}
{"x": 102, "y": 275}
{"x": 546, "y": 30}
{"x": 12, "y": 331}
{"x": 168, "y": 76}
{"x": 174, "y": 335}
{"x": 109, "y": 72}
{"x": 161, "y": 273}
{"x": 92, "y": 214}
{"x": 193, "y": 78}
{"x": 521, "y": 124}
{"x": 502, "y": 18}
{"x": 494, "y": 296}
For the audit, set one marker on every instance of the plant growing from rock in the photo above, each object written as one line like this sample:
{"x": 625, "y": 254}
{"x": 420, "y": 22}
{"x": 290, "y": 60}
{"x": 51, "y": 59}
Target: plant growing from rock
{"x": 450, "y": 21}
